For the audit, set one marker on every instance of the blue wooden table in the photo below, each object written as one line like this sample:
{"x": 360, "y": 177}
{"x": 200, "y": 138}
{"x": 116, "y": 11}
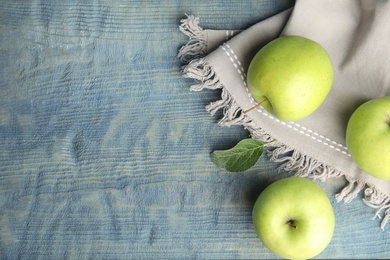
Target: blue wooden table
{"x": 104, "y": 151}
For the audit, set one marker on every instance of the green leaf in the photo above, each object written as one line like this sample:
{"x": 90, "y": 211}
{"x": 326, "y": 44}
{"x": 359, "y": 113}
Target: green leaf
{"x": 239, "y": 158}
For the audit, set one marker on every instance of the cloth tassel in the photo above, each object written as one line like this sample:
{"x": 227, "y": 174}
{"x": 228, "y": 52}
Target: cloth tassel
{"x": 378, "y": 200}
{"x": 233, "y": 115}
{"x": 350, "y": 191}
{"x": 196, "y": 47}
{"x": 385, "y": 219}
{"x": 259, "y": 134}
{"x": 303, "y": 165}
{"x": 201, "y": 72}
{"x": 225, "y": 101}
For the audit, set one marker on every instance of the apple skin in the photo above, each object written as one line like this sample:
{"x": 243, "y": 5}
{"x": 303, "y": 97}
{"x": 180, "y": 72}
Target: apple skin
{"x": 294, "y": 74}
{"x": 368, "y": 137}
{"x": 303, "y": 202}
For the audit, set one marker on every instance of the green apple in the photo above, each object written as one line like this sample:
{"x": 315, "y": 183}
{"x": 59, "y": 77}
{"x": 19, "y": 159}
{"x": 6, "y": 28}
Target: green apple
{"x": 294, "y": 218}
{"x": 368, "y": 137}
{"x": 290, "y": 77}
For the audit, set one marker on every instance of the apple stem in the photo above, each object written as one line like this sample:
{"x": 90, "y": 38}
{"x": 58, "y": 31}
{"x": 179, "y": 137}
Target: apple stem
{"x": 291, "y": 224}
{"x": 254, "y": 107}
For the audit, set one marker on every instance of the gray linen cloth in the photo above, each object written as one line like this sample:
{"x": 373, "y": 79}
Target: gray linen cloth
{"x": 356, "y": 35}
